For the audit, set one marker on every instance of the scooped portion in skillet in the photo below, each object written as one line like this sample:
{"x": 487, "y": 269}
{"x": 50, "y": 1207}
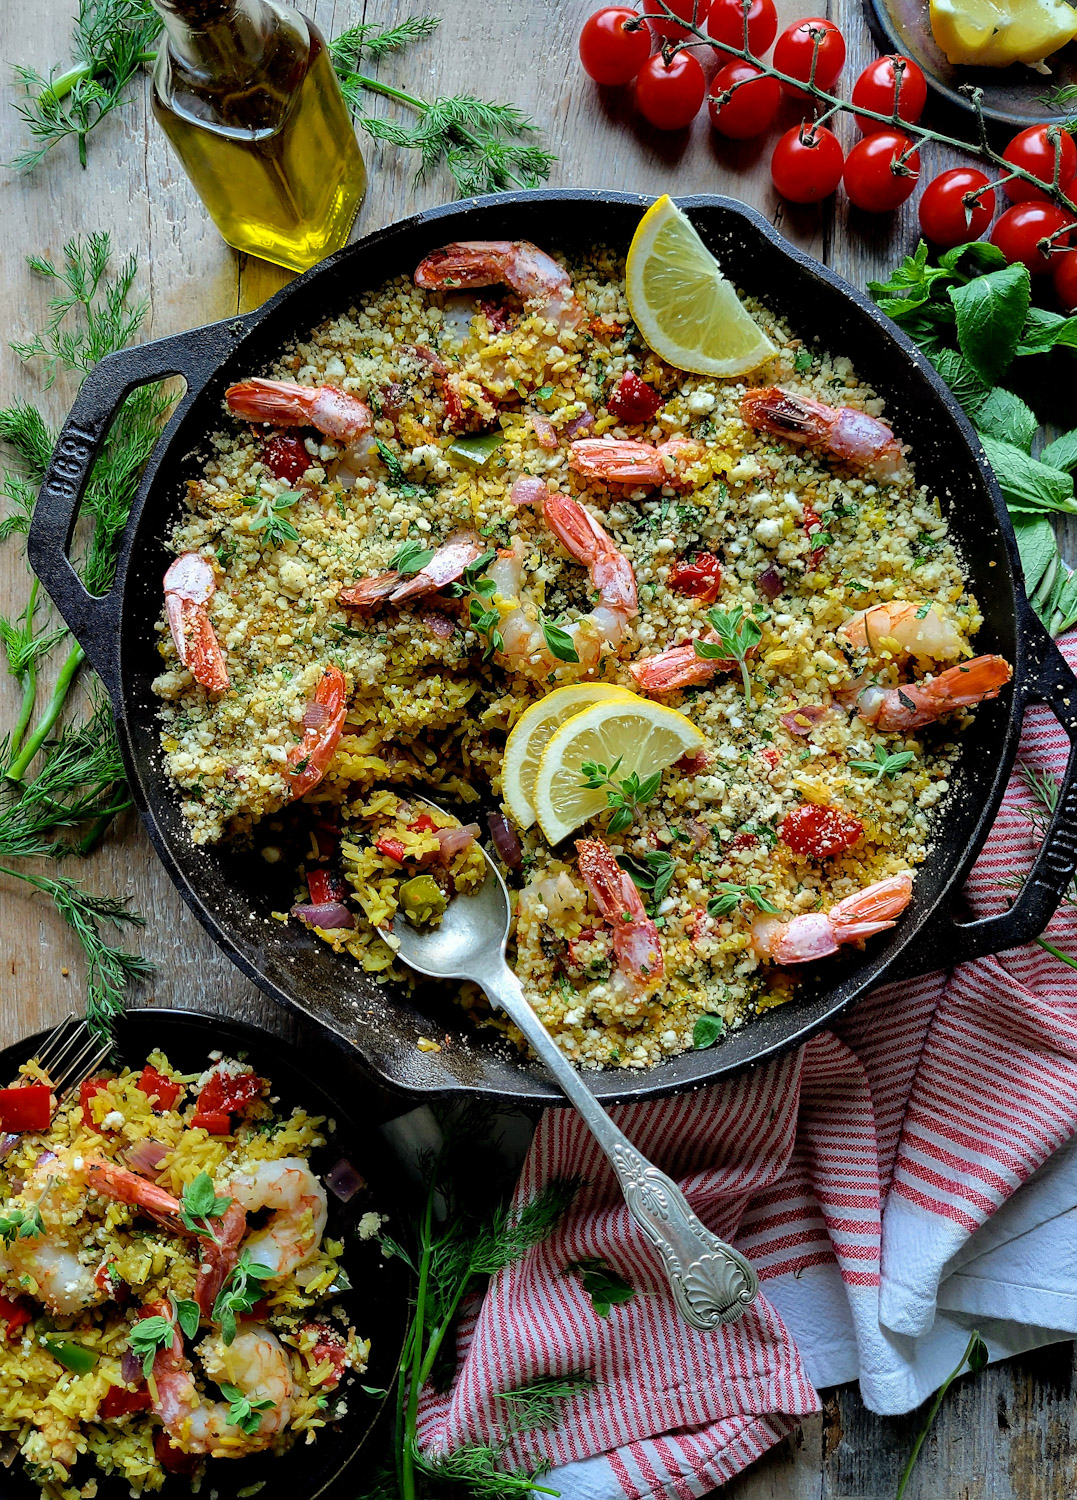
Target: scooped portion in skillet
{"x": 703, "y": 638}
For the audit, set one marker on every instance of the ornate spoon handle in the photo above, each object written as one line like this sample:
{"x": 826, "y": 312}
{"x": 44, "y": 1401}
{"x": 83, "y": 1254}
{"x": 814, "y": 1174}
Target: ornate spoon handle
{"x": 711, "y": 1282}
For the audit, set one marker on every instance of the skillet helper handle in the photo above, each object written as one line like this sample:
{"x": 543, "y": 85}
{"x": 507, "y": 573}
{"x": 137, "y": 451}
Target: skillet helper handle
{"x": 94, "y": 620}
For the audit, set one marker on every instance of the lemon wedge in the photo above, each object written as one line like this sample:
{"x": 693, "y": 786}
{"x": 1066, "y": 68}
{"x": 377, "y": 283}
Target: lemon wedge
{"x": 531, "y": 734}
{"x": 995, "y": 33}
{"x": 683, "y": 305}
{"x": 646, "y": 736}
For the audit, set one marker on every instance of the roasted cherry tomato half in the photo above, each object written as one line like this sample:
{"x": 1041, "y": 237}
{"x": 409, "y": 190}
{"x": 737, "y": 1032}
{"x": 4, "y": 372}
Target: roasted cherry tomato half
{"x": 699, "y": 579}
{"x": 726, "y": 24}
{"x": 632, "y": 399}
{"x": 27, "y": 1107}
{"x": 692, "y": 11}
{"x": 614, "y": 45}
{"x": 881, "y": 171}
{"x": 286, "y": 457}
{"x": 950, "y": 214}
{"x": 229, "y": 1091}
{"x": 819, "y": 832}
{"x": 751, "y": 104}
{"x": 325, "y": 886}
{"x": 1064, "y": 277}
{"x": 669, "y": 95}
{"x": 1027, "y": 231}
{"x": 797, "y": 45}
{"x": 161, "y": 1090}
{"x": 1036, "y": 150}
{"x": 878, "y": 87}
{"x": 807, "y": 163}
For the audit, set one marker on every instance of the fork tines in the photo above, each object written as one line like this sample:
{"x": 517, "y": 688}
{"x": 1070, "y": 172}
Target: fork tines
{"x": 70, "y": 1053}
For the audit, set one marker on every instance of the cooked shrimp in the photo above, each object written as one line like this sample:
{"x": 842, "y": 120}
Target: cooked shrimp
{"x": 817, "y": 934}
{"x": 337, "y": 414}
{"x": 190, "y": 584}
{"x": 220, "y": 1256}
{"x": 446, "y": 566}
{"x": 297, "y": 1212}
{"x": 903, "y": 628}
{"x": 678, "y": 667}
{"x": 117, "y": 1182}
{"x": 917, "y": 703}
{"x": 543, "y": 284}
{"x": 256, "y": 1363}
{"x": 51, "y": 1271}
{"x": 626, "y": 461}
{"x": 636, "y": 944}
{"x": 323, "y": 724}
{"x": 589, "y": 543}
{"x": 842, "y": 431}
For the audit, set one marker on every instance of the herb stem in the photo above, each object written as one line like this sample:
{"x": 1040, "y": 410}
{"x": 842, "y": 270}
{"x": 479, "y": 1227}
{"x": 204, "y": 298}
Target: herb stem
{"x": 407, "y": 1475}
{"x": 1065, "y": 958}
{"x": 60, "y": 87}
{"x": 53, "y": 709}
{"x": 975, "y": 1356}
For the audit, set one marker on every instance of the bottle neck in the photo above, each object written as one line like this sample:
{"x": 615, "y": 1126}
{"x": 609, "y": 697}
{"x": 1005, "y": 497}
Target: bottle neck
{"x": 216, "y": 38}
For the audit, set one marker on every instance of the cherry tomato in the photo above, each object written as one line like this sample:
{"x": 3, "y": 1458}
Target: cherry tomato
{"x": 694, "y": 11}
{"x": 325, "y": 886}
{"x": 881, "y": 171}
{"x": 795, "y": 48}
{"x": 609, "y": 53}
{"x": 161, "y": 1090}
{"x": 1064, "y": 276}
{"x": 948, "y": 216}
{"x": 751, "y": 106}
{"x": 633, "y": 400}
{"x": 807, "y": 163}
{"x": 228, "y": 1091}
{"x": 1035, "y": 149}
{"x": 28, "y": 1106}
{"x": 819, "y": 832}
{"x": 1020, "y": 230}
{"x": 726, "y": 24}
{"x": 699, "y": 579}
{"x": 877, "y": 88}
{"x": 286, "y": 457}
{"x": 669, "y": 94}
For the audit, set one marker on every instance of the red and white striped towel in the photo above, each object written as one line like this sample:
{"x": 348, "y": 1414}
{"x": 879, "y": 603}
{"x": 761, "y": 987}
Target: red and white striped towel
{"x": 851, "y": 1173}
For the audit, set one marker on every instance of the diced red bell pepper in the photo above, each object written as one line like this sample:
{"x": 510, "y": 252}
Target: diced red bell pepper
{"x": 215, "y": 1121}
{"x": 391, "y": 847}
{"x": 424, "y": 823}
{"x": 699, "y": 579}
{"x": 14, "y": 1314}
{"x": 27, "y": 1107}
{"x": 330, "y": 1347}
{"x": 286, "y": 457}
{"x": 228, "y": 1092}
{"x": 121, "y": 1401}
{"x": 813, "y": 522}
{"x": 819, "y": 832}
{"x": 633, "y": 400}
{"x": 325, "y": 885}
{"x": 172, "y": 1459}
{"x": 89, "y": 1089}
{"x": 161, "y": 1090}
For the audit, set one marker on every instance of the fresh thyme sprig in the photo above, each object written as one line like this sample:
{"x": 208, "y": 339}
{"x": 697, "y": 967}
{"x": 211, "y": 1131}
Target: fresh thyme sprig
{"x": 738, "y": 634}
{"x": 626, "y": 796}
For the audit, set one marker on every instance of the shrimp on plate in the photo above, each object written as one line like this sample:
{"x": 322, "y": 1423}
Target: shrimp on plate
{"x": 917, "y": 703}
{"x": 543, "y": 285}
{"x": 636, "y": 945}
{"x": 446, "y": 566}
{"x": 190, "y": 584}
{"x": 337, "y": 415}
{"x": 627, "y": 461}
{"x": 679, "y": 667}
{"x": 297, "y": 1209}
{"x": 844, "y": 432}
{"x": 817, "y": 934}
{"x": 323, "y": 724}
{"x": 114, "y": 1181}
{"x": 903, "y": 628}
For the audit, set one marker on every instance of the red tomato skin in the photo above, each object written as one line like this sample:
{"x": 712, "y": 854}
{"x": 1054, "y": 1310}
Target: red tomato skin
{"x": 324, "y": 886}
{"x": 875, "y": 89}
{"x": 750, "y": 110}
{"x": 694, "y": 11}
{"x": 819, "y": 832}
{"x": 172, "y": 1459}
{"x": 14, "y": 1313}
{"x": 1018, "y": 231}
{"x": 942, "y": 213}
{"x": 28, "y": 1107}
{"x": 793, "y": 55}
{"x": 610, "y": 54}
{"x": 807, "y": 164}
{"x": 229, "y": 1091}
{"x": 156, "y": 1086}
{"x": 213, "y": 1121}
{"x": 88, "y": 1089}
{"x": 121, "y": 1401}
{"x": 669, "y": 98}
{"x": 699, "y": 579}
{"x": 726, "y": 24}
{"x": 285, "y": 457}
{"x": 633, "y": 400}
{"x": 1064, "y": 277}
{"x": 1032, "y": 150}
{"x": 869, "y": 178}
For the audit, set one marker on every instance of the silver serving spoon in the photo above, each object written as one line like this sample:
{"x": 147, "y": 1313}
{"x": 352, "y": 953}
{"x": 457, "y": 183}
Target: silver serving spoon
{"x": 711, "y": 1282}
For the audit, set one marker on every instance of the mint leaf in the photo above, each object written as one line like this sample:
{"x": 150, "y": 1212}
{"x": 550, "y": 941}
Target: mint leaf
{"x": 969, "y": 387}
{"x": 991, "y": 313}
{"x": 1044, "y": 330}
{"x": 1037, "y": 546}
{"x": 706, "y": 1032}
{"x": 973, "y": 259}
{"x": 602, "y": 1283}
{"x": 1062, "y": 453}
{"x": 1027, "y": 484}
{"x": 1004, "y": 415}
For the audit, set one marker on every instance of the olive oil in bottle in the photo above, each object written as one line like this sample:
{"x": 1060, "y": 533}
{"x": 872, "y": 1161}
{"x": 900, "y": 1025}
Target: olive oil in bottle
{"x": 246, "y": 93}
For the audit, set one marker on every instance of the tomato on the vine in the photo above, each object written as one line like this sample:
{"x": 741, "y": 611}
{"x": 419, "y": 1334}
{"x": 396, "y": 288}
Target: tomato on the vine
{"x": 726, "y": 24}
{"x": 881, "y": 171}
{"x": 1025, "y": 228}
{"x": 669, "y": 94}
{"x": 795, "y": 48}
{"x": 807, "y": 163}
{"x": 1035, "y": 150}
{"x": 877, "y": 88}
{"x": 1064, "y": 276}
{"x": 949, "y": 215}
{"x": 611, "y": 50}
{"x": 751, "y": 106}
{"x": 694, "y": 11}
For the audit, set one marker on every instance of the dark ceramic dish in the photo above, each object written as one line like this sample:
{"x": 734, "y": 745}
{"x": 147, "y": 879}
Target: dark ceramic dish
{"x": 232, "y": 894}
{"x": 378, "y": 1305}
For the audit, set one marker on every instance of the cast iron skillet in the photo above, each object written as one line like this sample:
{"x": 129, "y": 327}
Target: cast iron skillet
{"x": 378, "y": 1305}
{"x": 232, "y": 894}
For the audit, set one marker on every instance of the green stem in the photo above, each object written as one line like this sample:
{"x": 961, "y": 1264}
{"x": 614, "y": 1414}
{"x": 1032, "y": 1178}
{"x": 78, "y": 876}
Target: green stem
{"x": 1066, "y": 958}
{"x": 100, "y": 823}
{"x": 28, "y": 682}
{"x": 933, "y": 1413}
{"x": 17, "y": 770}
{"x": 60, "y": 87}
{"x": 407, "y": 1463}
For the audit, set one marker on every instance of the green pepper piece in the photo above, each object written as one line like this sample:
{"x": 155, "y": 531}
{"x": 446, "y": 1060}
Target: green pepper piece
{"x": 73, "y": 1357}
{"x": 422, "y": 900}
{"x": 477, "y": 448}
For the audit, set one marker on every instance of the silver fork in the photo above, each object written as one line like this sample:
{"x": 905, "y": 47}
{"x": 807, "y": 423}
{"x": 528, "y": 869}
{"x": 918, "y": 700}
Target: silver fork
{"x": 70, "y": 1054}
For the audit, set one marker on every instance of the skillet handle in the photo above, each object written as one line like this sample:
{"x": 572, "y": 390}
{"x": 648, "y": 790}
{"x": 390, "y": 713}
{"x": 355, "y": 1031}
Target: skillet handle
{"x": 94, "y": 620}
{"x": 948, "y": 942}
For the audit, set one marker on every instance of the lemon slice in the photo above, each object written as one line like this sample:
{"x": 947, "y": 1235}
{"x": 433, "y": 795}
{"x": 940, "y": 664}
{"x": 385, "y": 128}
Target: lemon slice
{"x": 531, "y": 734}
{"x": 683, "y": 305}
{"x": 995, "y": 33}
{"x": 646, "y": 736}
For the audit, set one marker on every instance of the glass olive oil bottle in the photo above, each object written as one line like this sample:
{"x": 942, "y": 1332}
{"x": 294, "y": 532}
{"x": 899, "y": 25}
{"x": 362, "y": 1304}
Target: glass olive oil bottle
{"x": 246, "y": 92}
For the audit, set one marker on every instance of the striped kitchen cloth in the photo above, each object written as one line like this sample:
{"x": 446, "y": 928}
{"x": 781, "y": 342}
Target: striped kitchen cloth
{"x": 856, "y": 1174}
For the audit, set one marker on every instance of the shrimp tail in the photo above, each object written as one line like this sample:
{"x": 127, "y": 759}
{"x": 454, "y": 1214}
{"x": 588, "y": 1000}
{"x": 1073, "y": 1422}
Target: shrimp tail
{"x": 324, "y": 723}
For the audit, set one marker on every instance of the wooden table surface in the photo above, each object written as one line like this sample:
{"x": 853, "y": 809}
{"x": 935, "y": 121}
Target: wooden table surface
{"x": 1007, "y": 1435}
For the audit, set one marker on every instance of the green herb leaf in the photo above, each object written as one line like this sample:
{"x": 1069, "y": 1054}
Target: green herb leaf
{"x": 21, "y": 1224}
{"x": 1005, "y": 416}
{"x": 969, "y": 387}
{"x": 239, "y": 1294}
{"x": 732, "y": 895}
{"x": 605, "y": 1286}
{"x": 974, "y": 259}
{"x": 1027, "y": 484}
{"x": 147, "y": 1336}
{"x": 411, "y": 557}
{"x": 1038, "y": 548}
{"x": 188, "y": 1316}
{"x": 991, "y": 312}
{"x": 706, "y": 1032}
{"x": 558, "y": 641}
{"x": 884, "y": 763}
{"x": 738, "y": 633}
{"x": 200, "y": 1204}
{"x": 1062, "y": 453}
{"x": 242, "y": 1411}
{"x": 1045, "y": 330}
{"x": 540, "y": 1403}
{"x": 802, "y": 361}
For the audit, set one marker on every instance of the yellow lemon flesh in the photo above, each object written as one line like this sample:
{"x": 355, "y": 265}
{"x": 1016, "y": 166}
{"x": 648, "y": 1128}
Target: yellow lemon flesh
{"x": 531, "y": 734}
{"x": 683, "y": 305}
{"x": 646, "y": 737}
{"x": 995, "y": 33}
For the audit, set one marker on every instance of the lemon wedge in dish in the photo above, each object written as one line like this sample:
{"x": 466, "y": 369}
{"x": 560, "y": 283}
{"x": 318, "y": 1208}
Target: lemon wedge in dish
{"x": 995, "y": 33}
{"x": 645, "y": 737}
{"x": 531, "y": 734}
{"x": 683, "y": 305}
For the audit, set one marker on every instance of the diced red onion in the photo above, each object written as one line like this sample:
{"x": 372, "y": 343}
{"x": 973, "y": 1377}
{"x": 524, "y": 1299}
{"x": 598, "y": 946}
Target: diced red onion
{"x": 545, "y": 431}
{"x": 770, "y": 581}
{"x": 813, "y": 712}
{"x": 428, "y": 357}
{"x": 7, "y": 1145}
{"x": 131, "y": 1368}
{"x": 145, "y": 1157}
{"x": 454, "y": 840}
{"x": 44, "y": 1159}
{"x": 583, "y": 423}
{"x": 528, "y": 490}
{"x": 326, "y": 914}
{"x": 699, "y": 831}
{"x": 343, "y": 1181}
{"x": 315, "y": 716}
{"x": 439, "y": 625}
{"x": 505, "y": 840}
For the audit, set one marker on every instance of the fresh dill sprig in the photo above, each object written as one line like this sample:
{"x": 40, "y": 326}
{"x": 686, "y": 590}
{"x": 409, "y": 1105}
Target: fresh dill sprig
{"x": 474, "y": 1469}
{"x": 540, "y": 1404}
{"x": 366, "y": 40}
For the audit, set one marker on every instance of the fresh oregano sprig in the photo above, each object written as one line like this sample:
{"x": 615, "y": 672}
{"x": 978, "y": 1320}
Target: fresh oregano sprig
{"x": 626, "y": 796}
{"x": 738, "y": 634}
{"x": 732, "y": 895}
{"x": 885, "y": 763}
{"x": 200, "y": 1204}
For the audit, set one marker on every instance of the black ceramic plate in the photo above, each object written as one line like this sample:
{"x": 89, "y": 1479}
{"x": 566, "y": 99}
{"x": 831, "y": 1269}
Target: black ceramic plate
{"x": 378, "y": 1304}
{"x": 1012, "y": 96}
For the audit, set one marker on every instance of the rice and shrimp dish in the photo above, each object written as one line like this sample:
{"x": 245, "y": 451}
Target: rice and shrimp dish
{"x": 168, "y": 1295}
{"x": 694, "y": 650}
